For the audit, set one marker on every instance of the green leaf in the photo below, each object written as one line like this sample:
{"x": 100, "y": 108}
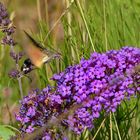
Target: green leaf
{"x": 5, "y": 133}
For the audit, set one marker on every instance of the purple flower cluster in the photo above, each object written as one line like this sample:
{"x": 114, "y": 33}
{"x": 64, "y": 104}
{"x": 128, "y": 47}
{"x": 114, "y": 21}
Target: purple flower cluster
{"x": 14, "y": 73}
{"x": 100, "y": 83}
{"x": 7, "y": 28}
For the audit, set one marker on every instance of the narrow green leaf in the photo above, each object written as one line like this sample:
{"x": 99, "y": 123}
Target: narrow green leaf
{"x": 5, "y": 133}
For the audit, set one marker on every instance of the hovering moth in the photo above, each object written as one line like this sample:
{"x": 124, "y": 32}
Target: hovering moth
{"x": 37, "y": 54}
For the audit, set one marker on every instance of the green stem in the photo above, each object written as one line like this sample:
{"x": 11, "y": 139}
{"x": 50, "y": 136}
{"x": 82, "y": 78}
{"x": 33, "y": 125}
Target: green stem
{"x": 117, "y": 127}
{"x": 69, "y": 27}
{"x": 38, "y": 10}
{"x": 111, "y": 134}
{"x": 20, "y": 87}
{"x": 13, "y": 128}
{"x": 105, "y": 28}
{"x": 83, "y": 17}
{"x": 57, "y": 21}
{"x": 99, "y": 129}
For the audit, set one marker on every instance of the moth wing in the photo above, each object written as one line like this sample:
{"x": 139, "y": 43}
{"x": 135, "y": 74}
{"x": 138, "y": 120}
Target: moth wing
{"x": 37, "y": 53}
{"x": 37, "y": 44}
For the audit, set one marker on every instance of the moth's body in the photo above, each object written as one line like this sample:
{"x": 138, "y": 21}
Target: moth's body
{"x": 27, "y": 66}
{"x": 37, "y": 56}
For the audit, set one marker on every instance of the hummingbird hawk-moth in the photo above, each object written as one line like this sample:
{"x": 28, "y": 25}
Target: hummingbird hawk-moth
{"x": 37, "y": 55}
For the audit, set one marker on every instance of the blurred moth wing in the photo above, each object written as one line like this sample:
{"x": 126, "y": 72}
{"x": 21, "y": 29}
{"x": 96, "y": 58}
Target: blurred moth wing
{"x": 37, "y": 54}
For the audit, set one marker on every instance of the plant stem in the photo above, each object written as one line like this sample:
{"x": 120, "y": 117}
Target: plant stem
{"x": 46, "y": 13}
{"x": 38, "y": 10}
{"x": 83, "y": 17}
{"x": 13, "y": 128}
{"x": 19, "y": 79}
{"x": 99, "y": 129}
{"x": 20, "y": 87}
{"x": 111, "y": 135}
{"x": 117, "y": 127}
{"x": 57, "y": 21}
{"x": 69, "y": 28}
{"x": 105, "y": 28}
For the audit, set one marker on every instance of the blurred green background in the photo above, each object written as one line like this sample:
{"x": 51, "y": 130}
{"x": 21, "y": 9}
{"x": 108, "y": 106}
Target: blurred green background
{"x": 73, "y": 30}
